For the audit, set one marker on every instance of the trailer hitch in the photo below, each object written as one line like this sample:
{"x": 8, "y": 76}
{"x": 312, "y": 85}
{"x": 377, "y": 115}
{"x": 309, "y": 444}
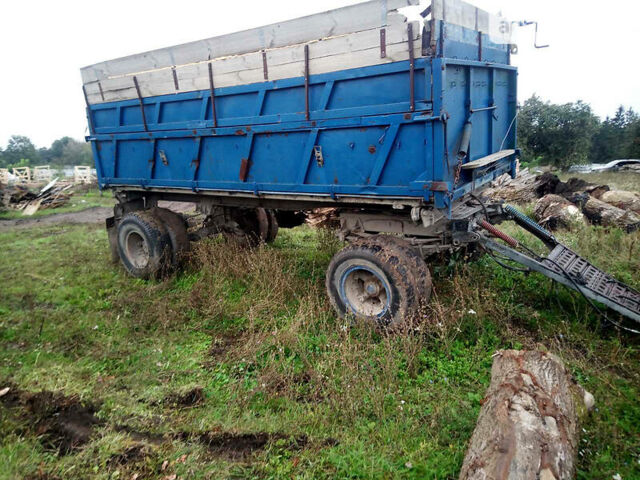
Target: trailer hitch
{"x": 561, "y": 265}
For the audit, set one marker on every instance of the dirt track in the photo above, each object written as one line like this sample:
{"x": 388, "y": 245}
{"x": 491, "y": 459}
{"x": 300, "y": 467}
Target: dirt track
{"x": 90, "y": 215}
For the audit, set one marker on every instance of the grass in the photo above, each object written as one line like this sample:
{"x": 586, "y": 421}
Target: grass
{"x": 80, "y": 200}
{"x": 616, "y": 180}
{"x": 237, "y": 367}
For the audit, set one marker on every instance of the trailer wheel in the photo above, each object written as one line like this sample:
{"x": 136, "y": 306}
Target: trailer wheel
{"x": 143, "y": 244}
{"x": 254, "y": 223}
{"x": 411, "y": 258}
{"x": 373, "y": 281}
{"x": 272, "y": 231}
{"x": 177, "y": 231}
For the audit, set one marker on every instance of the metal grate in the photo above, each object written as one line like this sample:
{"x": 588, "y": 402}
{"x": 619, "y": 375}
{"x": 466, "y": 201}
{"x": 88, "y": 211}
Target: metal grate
{"x": 587, "y": 275}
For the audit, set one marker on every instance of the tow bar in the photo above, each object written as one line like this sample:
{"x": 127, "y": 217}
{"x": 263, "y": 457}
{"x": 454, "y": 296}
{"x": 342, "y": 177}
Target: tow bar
{"x": 563, "y": 265}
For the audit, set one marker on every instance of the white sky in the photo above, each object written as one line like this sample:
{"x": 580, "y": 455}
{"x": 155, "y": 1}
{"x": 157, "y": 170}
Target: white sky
{"x": 593, "y": 53}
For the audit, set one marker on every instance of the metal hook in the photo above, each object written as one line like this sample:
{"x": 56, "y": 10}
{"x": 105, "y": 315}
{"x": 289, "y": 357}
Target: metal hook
{"x": 525, "y": 23}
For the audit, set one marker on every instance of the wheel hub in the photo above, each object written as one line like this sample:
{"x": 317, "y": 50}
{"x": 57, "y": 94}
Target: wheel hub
{"x": 364, "y": 292}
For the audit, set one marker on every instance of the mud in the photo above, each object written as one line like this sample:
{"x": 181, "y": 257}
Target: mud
{"x": 220, "y": 345}
{"x": 62, "y": 423}
{"x": 192, "y": 398}
{"x": 241, "y": 446}
{"x": 133, "y": 454}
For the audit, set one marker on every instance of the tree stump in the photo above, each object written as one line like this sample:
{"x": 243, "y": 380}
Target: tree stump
{"x": 528, "y": 425}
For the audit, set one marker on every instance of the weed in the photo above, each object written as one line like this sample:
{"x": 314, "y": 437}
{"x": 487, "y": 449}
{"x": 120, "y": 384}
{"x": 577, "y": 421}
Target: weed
{"x": 237, "y": 366}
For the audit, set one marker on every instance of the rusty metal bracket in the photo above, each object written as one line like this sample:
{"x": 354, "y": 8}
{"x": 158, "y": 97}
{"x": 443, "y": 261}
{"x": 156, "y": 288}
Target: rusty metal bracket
{"x": 306, "y": 82}
{"x": 213, "y": 97}
{"x": 163, "y": 158}
{"x": 383, "y": 43}
{"x": 101, "y": 92}
{"x": 144, "y": 117}
{"x": 412, "y": 67}
{"x": 244, "y": 169}
{"x": 317, "y": 153}
{"x": 265, "y": 69}
{"x": 175, "y": 78}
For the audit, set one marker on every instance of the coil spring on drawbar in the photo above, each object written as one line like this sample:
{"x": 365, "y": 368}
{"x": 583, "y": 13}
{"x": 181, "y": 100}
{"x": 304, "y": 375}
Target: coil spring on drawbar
{"x": 529, "y": 224}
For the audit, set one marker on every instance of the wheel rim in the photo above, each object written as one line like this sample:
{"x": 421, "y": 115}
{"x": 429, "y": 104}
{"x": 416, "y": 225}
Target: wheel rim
{"x": 137, "y": 250}
{"x": 365, "y": 293}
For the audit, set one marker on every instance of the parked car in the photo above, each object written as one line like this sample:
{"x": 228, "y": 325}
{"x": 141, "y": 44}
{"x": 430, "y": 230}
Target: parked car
{"x": 615, "y": 165}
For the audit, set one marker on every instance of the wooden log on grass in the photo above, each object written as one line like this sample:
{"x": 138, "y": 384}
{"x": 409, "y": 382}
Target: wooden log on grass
{"x": 605, "y": 214}
{"x": 528, "y": 425}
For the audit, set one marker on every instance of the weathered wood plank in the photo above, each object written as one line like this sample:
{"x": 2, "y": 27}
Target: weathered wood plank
{"x": 461, "y": 13}
{"x": 354, "y": 18}
{"x": 488, "y": 160}
{"x": 349, "y": 51}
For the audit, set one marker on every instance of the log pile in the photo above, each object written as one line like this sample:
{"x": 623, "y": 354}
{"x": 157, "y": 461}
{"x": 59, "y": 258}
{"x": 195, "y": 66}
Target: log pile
{"x": 323, "y": 218}
{"x": 564, "y": 204}
{"x": 528, "y": 426}
{"x": 28, "y": 201}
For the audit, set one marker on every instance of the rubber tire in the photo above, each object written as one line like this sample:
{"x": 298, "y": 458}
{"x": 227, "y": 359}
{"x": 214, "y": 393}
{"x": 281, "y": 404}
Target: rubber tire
{"x": 177, "y": 231}
{"x": 398, "y": 275}
{"x": 408, "y": 255}
{"x": 272, "y": 232}
{"x": 156, "y": 238}
{"x": 254, "y": 223}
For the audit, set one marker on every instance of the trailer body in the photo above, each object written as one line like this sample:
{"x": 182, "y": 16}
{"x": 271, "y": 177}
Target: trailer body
{"x": 384, "y": 130}
{"x": 396, "y": 123}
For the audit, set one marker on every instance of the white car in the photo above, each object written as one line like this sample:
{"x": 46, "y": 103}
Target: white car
{"x": 615, "y": 165}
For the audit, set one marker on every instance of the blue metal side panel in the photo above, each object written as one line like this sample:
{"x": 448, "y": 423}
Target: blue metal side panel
{"x": 348, "y": 93}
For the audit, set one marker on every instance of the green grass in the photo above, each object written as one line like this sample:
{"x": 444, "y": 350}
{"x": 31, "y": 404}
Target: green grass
{"x": 254, "y": 332}
{"x": 79, "y": 201}
{"x": 616, "y": 180}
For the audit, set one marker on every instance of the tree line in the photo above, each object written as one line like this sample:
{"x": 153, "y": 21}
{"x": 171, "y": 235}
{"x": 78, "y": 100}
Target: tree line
{"x": 20, "y": 151}
{"x": 548, "y": 134}
{"x": 571, "y": 134}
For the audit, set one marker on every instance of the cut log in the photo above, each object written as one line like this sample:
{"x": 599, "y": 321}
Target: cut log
{"x": 528, "y": 425}
{"x": 323, "y": 218}
{"x": 553, "y": 212}
{"x": 622, "y": 199}
{"x": 602, "y": 213}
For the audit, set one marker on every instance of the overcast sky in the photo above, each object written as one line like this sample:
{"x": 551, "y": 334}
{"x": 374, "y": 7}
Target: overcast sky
{"x": 43, "y": 44}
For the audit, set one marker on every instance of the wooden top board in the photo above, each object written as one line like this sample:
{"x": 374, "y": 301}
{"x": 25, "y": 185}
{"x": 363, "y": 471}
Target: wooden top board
{"x": 354, "y": 18}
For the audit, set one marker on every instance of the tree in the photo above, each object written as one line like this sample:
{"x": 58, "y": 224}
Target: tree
{"x": 67, "y": 151}
{"x": 633, "y": 147}
{"x": 76, "y": 153}
{"x": 20, "y": 148}
{"x": 615, "y": 136}
{"x": 560, "y": 135}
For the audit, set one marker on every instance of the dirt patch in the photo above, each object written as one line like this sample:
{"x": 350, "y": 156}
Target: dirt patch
{"x": 240, "y": 446}
{"x": 90, "y": 215}
{"x": 132, "y": 455}
{"x": 220, "y": 345}
{"x": 61, "y": 423}
{"x": 141, "y": 436}
{"x": 192, "y": 398}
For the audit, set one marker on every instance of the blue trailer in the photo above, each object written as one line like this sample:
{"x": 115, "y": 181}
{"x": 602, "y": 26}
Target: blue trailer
{"x": 397, "y": 124}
